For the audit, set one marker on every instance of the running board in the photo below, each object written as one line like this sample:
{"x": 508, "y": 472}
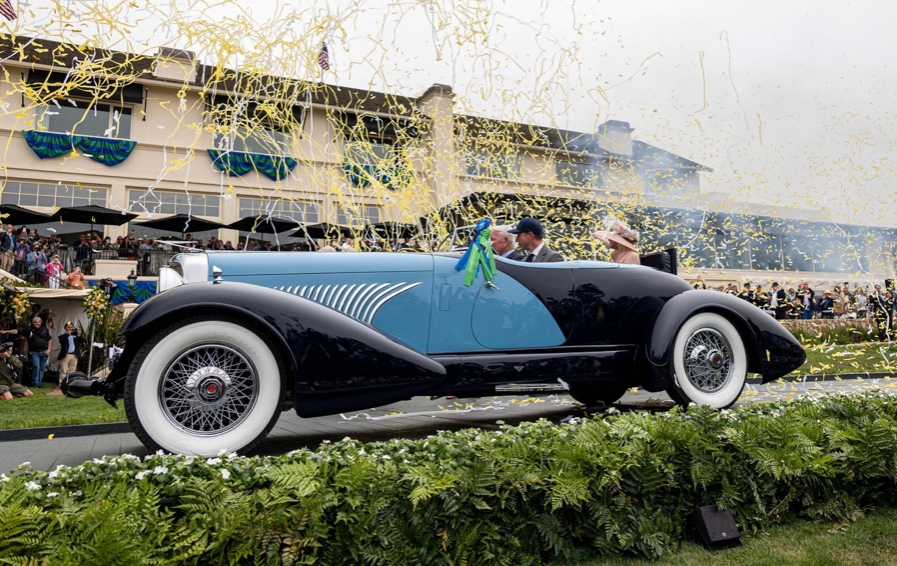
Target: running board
{"x": 512, "y": 388}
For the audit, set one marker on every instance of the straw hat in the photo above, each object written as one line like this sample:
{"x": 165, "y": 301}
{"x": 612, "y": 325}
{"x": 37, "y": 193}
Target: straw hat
{"x": 619, "y": 233}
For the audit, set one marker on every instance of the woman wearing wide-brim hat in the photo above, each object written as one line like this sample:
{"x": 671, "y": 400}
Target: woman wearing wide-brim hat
{"x": 622, "y": 241}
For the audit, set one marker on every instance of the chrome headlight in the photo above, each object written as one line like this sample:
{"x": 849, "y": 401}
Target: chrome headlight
{"x": 182, "y": 269}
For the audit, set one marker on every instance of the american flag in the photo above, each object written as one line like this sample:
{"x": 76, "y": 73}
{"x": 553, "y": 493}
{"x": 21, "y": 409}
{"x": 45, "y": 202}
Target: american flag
{"x": 323, "y": 56}
{"x": 7, "y": 11}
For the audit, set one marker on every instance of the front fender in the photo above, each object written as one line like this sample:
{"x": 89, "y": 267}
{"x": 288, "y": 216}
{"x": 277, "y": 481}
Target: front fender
{"x": 324, "y": 350}
{"x": 771, "y": 350}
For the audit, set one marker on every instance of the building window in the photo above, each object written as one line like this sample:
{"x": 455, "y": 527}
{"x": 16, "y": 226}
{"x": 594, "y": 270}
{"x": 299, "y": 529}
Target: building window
{"x": 496, "y": 164}
{"x": 577, "y": 174}
{"x": 302, "y": 211}
{"x": 96, "y": 119}
{"x": 174, "y": 202}
{"x": 254, "y": 127}
{"x": 52, "y": 194}
{"x": 358, "y": 214}
{"x": 379, "y": 154}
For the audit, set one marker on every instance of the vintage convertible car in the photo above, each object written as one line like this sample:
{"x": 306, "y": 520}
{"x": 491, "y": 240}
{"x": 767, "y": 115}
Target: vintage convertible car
{"x": 233, "y": 339}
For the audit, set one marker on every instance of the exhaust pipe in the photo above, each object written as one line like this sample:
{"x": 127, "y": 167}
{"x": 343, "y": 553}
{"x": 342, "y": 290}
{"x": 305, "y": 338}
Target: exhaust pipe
{"x": 77, "y": 384}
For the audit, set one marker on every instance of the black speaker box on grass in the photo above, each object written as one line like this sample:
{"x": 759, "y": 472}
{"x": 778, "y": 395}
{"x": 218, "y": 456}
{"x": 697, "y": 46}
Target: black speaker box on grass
{"x": 715, "y": 527}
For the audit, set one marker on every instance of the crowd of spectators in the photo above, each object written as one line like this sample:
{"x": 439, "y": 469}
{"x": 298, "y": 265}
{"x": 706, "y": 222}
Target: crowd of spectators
{"x": 48, "y": 261}
{"x": 803, "y": 302}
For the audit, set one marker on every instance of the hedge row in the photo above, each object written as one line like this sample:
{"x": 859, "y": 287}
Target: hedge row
{"x": 612, "y": 483}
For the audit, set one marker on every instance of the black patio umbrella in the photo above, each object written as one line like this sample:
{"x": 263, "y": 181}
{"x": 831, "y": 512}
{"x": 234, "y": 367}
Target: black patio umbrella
{"x": 263, "y": 224}
{"x": 93, "y": 214}
{"x": 181, "y": 223}
{"x": 322, "y": 231}
{"x": 21, "y": 216}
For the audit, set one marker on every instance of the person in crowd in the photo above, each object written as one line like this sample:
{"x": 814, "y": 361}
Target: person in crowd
{"x": 848, "y": 302}
{"x": 860, "y": 302}
{"x": 109, "y": 286}
{"x": 504, "y": 244}
{"x": 40, "y": 265}
{"x": 76, "y": 278}
{"x": 530, "y": 233}
{"x": 10, "y": 367}
{"x": 46, "y": 315}
{"x": 71, "y": 345}
{"x": 761, "y": 297}
{"x": 622, "y": 240}
{"x": 327, "y": 249}
{"x": 747, "y": 294}
{"x": 795, "y": 309}
{"x": 826, "y": 305}
{"x": 39, "y": 341}
{"x": 778, "y": 301}
{"x": 55, "y": 272}
{"x": 805, "y": 298}
{"x": 7, "y": 248}
{"x": 881, "y": 312}
{"x": 228, "y": 245}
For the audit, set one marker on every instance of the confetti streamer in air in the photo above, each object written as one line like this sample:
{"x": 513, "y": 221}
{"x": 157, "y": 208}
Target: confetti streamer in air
{"x": 448, "y": 112}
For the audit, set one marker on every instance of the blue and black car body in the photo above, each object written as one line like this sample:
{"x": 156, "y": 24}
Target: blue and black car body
{"x": 233, "y": 338}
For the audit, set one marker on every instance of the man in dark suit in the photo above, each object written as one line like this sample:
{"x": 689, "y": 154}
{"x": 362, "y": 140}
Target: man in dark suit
{"x": 504, "y": 244}
{"x": 70, "y": 344}
{"x": 779, "y": 301}
{"x": 529, "y": 237}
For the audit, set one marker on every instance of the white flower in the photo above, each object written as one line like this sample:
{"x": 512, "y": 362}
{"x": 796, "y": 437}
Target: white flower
{"x": 160, "y": 470}
{"x": 213, "y": 461}
{"x": 77, "y": 493}
{"x": 32, "y": 486}
{"x": 53, "y": 474}
{"x": 222, "y": 452}
{"x": 141, "y": 475}
{"x": 225, "y": 474}
{"x": 53, "y": 494}
{"x": 4, "y": 478}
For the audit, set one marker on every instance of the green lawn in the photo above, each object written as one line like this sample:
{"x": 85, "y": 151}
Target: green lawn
{"x": 56, "y": 410}
{"x": 852, "y": 358}
{"x": 870, "y": 541}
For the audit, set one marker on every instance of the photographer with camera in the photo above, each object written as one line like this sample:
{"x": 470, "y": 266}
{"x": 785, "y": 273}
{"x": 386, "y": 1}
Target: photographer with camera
{"x": 70, "y": 344}
{"x": 10, "y": 366}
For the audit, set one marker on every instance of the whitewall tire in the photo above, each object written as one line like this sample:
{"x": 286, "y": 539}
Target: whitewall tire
{"x": 204, "y": 385}
{"x": 709, "y": 362}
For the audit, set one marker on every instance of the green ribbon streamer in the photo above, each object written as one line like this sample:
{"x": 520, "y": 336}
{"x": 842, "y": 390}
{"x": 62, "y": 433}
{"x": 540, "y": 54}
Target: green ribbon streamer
{"x": 481, "y": 254}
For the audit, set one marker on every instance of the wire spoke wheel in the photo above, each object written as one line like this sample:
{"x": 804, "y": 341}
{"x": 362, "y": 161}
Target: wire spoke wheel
{"x": 208, "y": 389}
{"x": 202, "y": 385}
{"x": 708, "y": 360}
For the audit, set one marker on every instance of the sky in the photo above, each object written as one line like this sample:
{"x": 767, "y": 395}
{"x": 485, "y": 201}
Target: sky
{"x": 790, "y": 103}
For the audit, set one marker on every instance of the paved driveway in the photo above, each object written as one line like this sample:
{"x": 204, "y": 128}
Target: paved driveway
{"x": 416, "y": 418}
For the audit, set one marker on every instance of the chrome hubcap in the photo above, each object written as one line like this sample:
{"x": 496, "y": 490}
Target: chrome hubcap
{"x": 708, "y": 360}
{"x": 208, "y": 389}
